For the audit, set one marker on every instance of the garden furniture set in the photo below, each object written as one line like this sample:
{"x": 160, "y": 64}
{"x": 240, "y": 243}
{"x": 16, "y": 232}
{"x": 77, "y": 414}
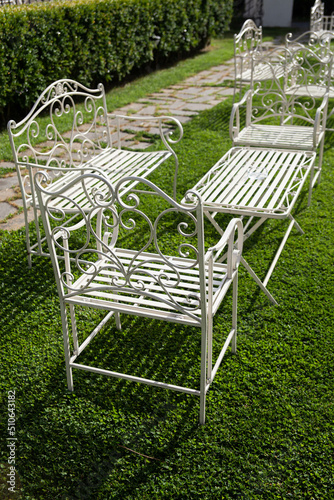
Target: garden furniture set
{"x": 115, "y": 251}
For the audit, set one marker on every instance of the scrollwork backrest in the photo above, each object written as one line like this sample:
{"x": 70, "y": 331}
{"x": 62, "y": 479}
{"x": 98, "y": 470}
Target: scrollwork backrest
{"x": 310, "y": 65}
{"x": 247, "y": 42}
{"x": 66, "y": 127}
{"x": 269, "y": 101}
{"x": 286, "y": 91}
{"x": 318, "y": 43}
{"x": 139, "y": 248}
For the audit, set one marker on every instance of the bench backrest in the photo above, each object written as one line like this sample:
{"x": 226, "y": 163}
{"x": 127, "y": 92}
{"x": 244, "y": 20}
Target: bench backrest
{"x": 169, "y": 237}
{"x": 54, "y": 133}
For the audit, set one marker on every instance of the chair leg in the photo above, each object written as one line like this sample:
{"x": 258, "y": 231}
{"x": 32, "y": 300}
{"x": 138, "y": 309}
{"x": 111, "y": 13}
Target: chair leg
{"x": 26, "y": 225}
{"x": 74, "y": 329}
{"x": 234, "y": 313}
{"x": 321, "y": 153}
{"x": 66, "y": 341}
{"x": 204, "y": 335}
{"x": 118, "y": 321}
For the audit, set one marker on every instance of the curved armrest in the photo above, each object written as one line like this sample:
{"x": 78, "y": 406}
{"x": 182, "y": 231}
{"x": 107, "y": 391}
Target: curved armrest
{"x": 234, "y": 249}
{"x": 320, "y": 120}
{"x": 235, "y": 116}
{"x": 165, "y": 136}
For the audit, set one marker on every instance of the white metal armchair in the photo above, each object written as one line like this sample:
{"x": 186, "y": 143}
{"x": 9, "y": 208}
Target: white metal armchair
{"x": 67, "y": 130}
{"x": 178, "y": 283}
{"x": 276, "y": 115}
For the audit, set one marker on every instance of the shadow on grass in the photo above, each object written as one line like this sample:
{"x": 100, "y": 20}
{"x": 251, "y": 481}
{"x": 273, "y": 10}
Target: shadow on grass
{"x": 269, "y": 410}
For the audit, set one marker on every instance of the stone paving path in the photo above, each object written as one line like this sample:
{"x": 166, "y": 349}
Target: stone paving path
{"x": 183, "y": 101}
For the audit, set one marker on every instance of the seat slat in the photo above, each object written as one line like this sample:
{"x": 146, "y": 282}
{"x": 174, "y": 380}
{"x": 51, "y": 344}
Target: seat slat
{"x": 116, "y": 164}
{"x": 189, "y": 282}
{"x": 296, "y": 137}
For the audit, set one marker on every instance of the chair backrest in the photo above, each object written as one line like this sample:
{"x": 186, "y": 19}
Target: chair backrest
{"x": 317, "y": 14}
{"x": 66, "y": 127}
{"x": 309, "y": 67}
{"x": 328, "y": 23}
{"x": 165, "y": 236}
{"x": 317, "y": 42}
{"x": 287, "y": 94}
{"x": 247, "y": 42}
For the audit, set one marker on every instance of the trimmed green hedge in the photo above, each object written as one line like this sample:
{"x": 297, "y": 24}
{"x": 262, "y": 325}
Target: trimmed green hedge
{"x": 96, "y": 41}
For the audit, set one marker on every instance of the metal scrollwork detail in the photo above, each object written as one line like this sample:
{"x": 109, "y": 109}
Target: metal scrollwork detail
{"x": 150, "y": 272}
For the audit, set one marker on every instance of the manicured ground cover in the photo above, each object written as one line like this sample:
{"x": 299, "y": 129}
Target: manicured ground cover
{"x": 269, "y": 430}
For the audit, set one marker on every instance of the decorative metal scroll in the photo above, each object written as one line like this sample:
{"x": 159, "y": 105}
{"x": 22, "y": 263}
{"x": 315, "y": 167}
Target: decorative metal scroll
{"x": 247, "y": 42}
{"x": 99, "y": 266}
{"x": 308, "y": 70}
{"x": 316, "y": 42}
{"x": 282, "y": 98}
{"x": 41, "y": 140}
{"x": 317, "y": 13}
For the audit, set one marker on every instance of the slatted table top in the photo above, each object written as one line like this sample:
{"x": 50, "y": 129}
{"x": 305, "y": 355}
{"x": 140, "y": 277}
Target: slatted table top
{"x": 255, "y": 181}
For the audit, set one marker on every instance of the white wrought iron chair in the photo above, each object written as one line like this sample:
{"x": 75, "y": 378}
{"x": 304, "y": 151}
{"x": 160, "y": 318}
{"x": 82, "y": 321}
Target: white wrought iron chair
{"x": 164, "y": 274}
{"x": 319, "y": 23}
{"x": 274, "y": 114}
{"x": 248, "y": 49}
{"x": 67, "y": 130}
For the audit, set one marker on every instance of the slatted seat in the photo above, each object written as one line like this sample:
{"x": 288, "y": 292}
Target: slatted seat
{"x": 69, "y": 130}
{"x": 115, "y": 164}
{"x": 280, "y": 136}
{"x": 112, "y": 257}
{"x": 261, "y": 72}
{"x": 257, "y": 183}
{"x": 155, "y": 301}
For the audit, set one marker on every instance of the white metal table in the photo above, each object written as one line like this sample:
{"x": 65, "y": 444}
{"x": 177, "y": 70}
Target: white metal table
{"x": 257, "y": 183}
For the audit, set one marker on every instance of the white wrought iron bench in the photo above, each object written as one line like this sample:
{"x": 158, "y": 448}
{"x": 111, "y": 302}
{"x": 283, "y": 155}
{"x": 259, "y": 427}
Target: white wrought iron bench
{"x": 275, "y": 113}
{"x": 257, "y": 184}
{"x": 164, "y": 274}
{"x": 248, "y": 55}
{"x": 69, "y": 130}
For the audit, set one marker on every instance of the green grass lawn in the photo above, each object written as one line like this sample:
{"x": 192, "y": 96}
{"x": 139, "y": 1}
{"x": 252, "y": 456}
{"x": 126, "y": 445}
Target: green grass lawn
{"x": 269, "y": 421}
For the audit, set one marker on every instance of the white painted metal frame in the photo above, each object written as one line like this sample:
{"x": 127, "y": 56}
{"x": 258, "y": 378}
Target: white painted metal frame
{"x": 185, "y": 286}
{"x": 276, "y": 116}
{"x": 68, "y": 128}
{"x": 318, "y": 21}
{"x": 260, "y": 184}
{"x": 248, "y": 49}
{"x": 247, "y": 42}
{"x": 316, "y": 78}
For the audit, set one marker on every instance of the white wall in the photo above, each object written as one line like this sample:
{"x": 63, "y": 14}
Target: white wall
{"x": 277, "y": 13}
